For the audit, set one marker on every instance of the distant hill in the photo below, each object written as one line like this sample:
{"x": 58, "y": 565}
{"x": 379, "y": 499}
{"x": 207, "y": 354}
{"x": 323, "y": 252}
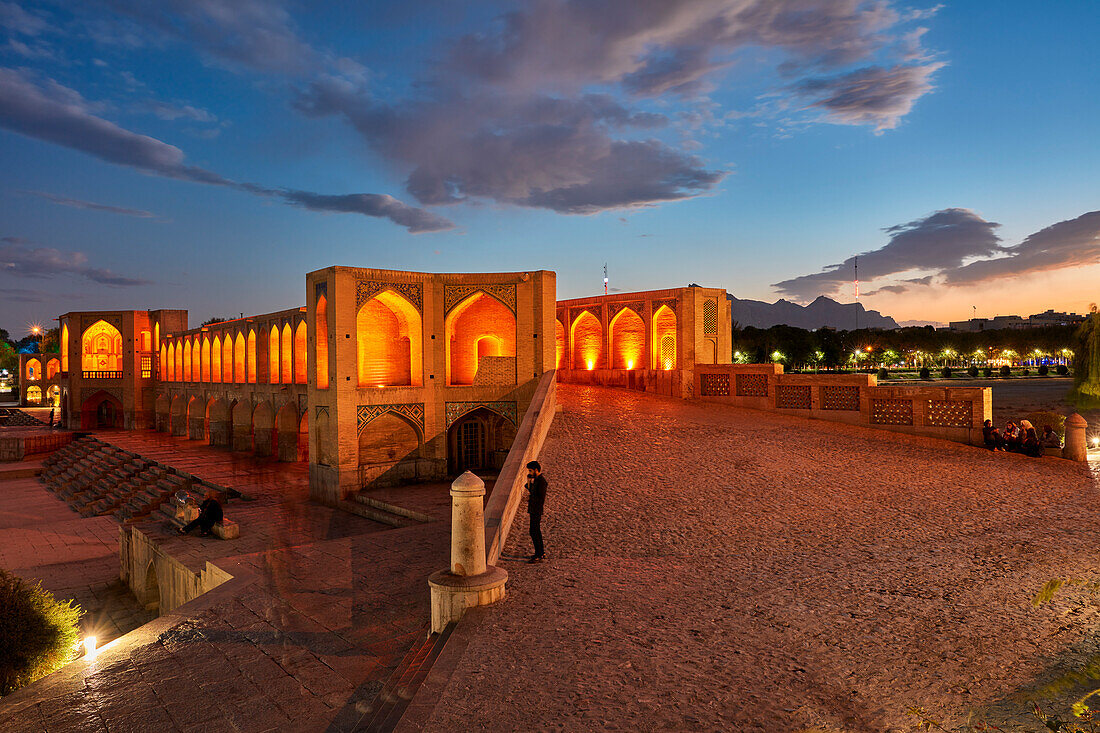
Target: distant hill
{"x": 822, "y": 312}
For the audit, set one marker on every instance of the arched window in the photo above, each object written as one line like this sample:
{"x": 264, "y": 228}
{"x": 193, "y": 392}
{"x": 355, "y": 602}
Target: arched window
{"x": 664, "y": 339}
{"x": 64, "y": 347}
{"x": 587, "y": 342}
{"x": 196, "y": 359}
{"x": 300, "y": 353}
{"x": 250, "y": 356}
{"x": 273, "y": 355}
{"x": 34, "y": 370}
{"x": 205, "y": 358}
{"x": 320, "y": 336}
{"x": 240, "y": 368}
{"x": 627, "y": 337}
{"x": 216, "y": 359}
{"x": 227, "y": 359}
{"x": 559, "y": 344}
{"x": 187, "y": 360}
{"x": 163, "y": 363}
{"x": 178, "y": 361}
{"x": 388, "y": 342}
{"x": 146, "y": 341}
{"x": 156, "y": 335}
{"x": 101, "y": 348}
{"x": 34, "y": 394}
{"x": 53, "y": 366}
{"x": 479, "y": 327}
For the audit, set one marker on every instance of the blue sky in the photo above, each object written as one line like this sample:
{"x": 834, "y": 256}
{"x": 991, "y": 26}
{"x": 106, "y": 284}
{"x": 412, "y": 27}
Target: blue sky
{"x": 205, "y": 154}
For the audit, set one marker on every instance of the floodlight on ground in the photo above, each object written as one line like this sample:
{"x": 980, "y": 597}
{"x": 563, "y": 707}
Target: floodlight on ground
{"x": 89, "y": 647}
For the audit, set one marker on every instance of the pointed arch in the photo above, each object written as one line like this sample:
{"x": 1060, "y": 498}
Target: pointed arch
{"x": 205, "y": 358}
{"x": 586, "y": 342}
{"x": 559, "y": 344}
{"x": 196, "y": 359}
{"x": 300, "y": 353}
{"x": 187, "y": 360}
{"x": 163, "y": 363}
{"x": 53, "y": 366}
{"x": 64, "y": 347}
{"x": 32, "y": 370}
{"x": 156, "y": 336}
{"x": 216, "y": 359}
{"x": 170, "y": 364}
{"x": 287, "y": 353}
{"x": 320, "y": 338}
{"x": 664, "y": 343}
{"x": 178, "y": 363}
{"x": 227, "y": 358}
{"x": 478, "y": 316}
{"x": 273, "y": 355}
{"x": 250, "y": 356}
{"x": 385, "y": 442}
{"x": 240, "y": 367}
{"x": 389, "y": 341}
{"x": 626, "y": 340}
{"x": 101, "y": 348}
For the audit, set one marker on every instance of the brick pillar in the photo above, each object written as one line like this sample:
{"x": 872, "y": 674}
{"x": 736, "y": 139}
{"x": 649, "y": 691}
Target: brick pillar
{"x": 219, "y": 432}
{"x": 263, "y": 441}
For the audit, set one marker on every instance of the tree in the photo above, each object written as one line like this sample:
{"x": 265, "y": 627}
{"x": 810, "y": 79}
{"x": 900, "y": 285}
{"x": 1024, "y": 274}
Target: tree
{"x": 212, "y": 321}
{"x": 38, "y": 634}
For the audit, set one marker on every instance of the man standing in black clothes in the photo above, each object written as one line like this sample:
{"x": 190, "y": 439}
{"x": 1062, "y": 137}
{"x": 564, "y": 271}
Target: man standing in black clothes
{"x": 536, "y": 486}
{"x": 210, "y": 513}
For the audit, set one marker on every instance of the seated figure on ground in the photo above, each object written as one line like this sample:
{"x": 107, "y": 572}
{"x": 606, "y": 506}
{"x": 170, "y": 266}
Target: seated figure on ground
{"x": 993, "y": 438}
{"x": 210, "y": 513}
{"x": 1050, "y": 438}
{"x": 1029, "y": 440}
{"x": 1012, "y": 436}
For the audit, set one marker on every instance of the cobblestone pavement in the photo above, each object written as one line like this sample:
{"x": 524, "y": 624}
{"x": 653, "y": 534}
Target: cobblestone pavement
{"x": 713, "y": 568}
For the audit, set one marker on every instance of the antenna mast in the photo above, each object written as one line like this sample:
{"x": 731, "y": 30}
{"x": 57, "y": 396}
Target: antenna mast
{"x": 856, "y": 263}
{"x": 605, "y": 278}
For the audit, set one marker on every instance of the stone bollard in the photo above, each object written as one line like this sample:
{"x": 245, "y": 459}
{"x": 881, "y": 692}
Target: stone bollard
{"x": 468, "y": 582}
{"x": 1076, "y": 449}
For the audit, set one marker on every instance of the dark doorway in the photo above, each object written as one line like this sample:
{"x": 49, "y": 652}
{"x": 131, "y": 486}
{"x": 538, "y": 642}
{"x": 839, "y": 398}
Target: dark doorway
{"x": 105, "y": 415}
{"x": 479, "y": 441}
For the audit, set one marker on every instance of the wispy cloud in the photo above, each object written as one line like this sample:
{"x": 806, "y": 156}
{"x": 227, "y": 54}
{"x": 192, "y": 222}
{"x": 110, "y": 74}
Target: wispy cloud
{"x": 92, "y": 206}
{"x": 371, "y": 204}
{"x": 25, "y": 258}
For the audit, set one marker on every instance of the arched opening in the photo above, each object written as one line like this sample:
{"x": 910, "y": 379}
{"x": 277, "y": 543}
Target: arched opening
{"x": 242, "y": 426}
{"x": 101, "y": 348}
{"x": 273, "y": 355}
{"x": 303, "y": 438}
{"x": 217, "y": 427}
{"x": 664, "y": 339}
{"x": 471, "y": 321}
{"x": 479, "y": 441}
{"x": 388, "y": 342}
{"x": 286, "y": 433}
{"x": 177, "y": 423}
{"x": 156, "y": 335}
{"x": 33, "y": 370}
{"x": 287, "y": 348}
{"x": 587, "y": 342}
{"x": 227, "y": 359}
{"x": 54, "y": 396}
{"x": 146, "y": 341}
{"x": 163, "y": 409}
{"x": 64, "y": 347}
{"x": 263, "y": 429}
{"x": 34, "y": 394}
{"x": 163, "y": 363}
{"x": 206, "y": 358}
{"x": 196, "y": 359}
{"x": 320, "y": 335}
{"x": 488, "y": 346}
{"x": 559, "y": 344}
{"x": 627, "y": 340}
{"x": 53, "y": 366}
{"x": 240, "y": 366}
{"x": 152, "y": 590}
{"x": 177, "y": 362}
{"x": 187, "y": 360}
{"x": 389, "y": 448}
{"x": 196, "y": 419}
{"x": 101, "y": 410}
{"x": 250, "y": 356}
{"x": 300, "y": 353}
{"x": 216, "y": 360}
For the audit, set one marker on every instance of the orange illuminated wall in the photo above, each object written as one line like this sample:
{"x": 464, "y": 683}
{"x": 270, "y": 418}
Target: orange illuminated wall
{"x": 559, "y": 343}
{"x": 627, "y": 340}
{"x": 288, "y": 355}
{"x": 206, "y": 358}
{"x": 163, "y": 363}
{"x": 146, "y": 341}
{"x": 587, "y": 342}
{"x": 664, "y": 338}
{"x": 273, "y": 355}
{"x": 156, "y": 335}
{"x": 53, "y": 366}
{"x": 240, "y": 369}
{"x": 34, "y": 369}
{"x": 481, "y": 323}
{"x": 177, "y": 362}
{"x": 227, "y": 359}
{"x": 216, "y": 360}
{"x": 300, "y": 353}
{"x": 101, "y": 348}
{"x": 321, "y": 336}
{"x": 388, "y": 342}
{"x": 64, "y": 347}
{"x": 250, "y": 356}
{"x": 196, "y": 360}
{"x": 187, "y": 360}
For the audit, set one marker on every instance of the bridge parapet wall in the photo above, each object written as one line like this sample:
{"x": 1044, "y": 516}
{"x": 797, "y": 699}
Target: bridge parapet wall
{"x": 951, "y": 413}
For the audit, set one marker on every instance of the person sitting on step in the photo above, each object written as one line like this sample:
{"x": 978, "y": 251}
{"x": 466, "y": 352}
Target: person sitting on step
{"x": 210, "y": 513}
{"x": 1050, "y": 438}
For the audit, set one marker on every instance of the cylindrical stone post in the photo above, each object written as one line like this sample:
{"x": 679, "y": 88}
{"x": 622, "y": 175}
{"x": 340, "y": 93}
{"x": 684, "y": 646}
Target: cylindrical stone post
{"x": 1076, "y": 448}
{"x": 469, "y": 581}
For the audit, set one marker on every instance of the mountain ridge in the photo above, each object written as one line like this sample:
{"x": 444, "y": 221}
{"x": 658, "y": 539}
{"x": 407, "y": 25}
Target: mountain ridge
{"x": 823, "y": 312}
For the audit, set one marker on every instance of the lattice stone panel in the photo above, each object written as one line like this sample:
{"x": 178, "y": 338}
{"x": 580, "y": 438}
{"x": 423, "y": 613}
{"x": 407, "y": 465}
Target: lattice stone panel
{"x": 840, "y": 398}
{"x": 710, "y": 317}
{"x": 949, "y": 414}
{"x": 891, "y": 412}
{"x": 792, "y": 397}
{"x": 714, "y": 385}
{"x": 752, "y": 385}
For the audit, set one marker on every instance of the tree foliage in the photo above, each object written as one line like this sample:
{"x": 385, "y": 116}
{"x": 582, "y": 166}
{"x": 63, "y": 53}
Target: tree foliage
{"x": 38, "y": 634}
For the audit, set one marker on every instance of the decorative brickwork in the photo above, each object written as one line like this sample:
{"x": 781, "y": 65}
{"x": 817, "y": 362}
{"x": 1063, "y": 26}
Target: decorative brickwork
{"x": 671, "y": 303}
{"x": 87, "y": 392}
{"x": 414, "y": 413}
{"x": 752, "y": 385}
{"x": 710, "y": 317}
{"x": 949, "y": 414}
{"x": 840, "y": 398}
{"x": 792, "y": 396}
{"x": 636, "y": 306}
{"x": 714, "y": 385}
{"x": 891, "y": 412}
{"x": 367, "y": 289}
{"x": 455, "y": 410}
{"x": 596, "y": 310}
{"x": 455, "y": 294}
{"x": 495, "y": 370}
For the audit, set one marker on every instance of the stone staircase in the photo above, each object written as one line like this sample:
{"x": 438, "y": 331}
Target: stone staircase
{"x": 385, "y": 711}
{"x": 382, "y": 511}
{"x": 13, "y": 418}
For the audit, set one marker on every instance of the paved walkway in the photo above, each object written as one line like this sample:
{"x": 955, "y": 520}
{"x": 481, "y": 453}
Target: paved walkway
{"x": 713, "y": 568}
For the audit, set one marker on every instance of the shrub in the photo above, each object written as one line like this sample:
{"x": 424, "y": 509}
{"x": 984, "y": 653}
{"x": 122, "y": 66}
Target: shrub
{"x": 883, "y": 373}
{"x": 972, "y": 372}
{"x": 1026, "y": 372}
{"x": 988, "y": 372}
{"x": 924, "y": 373}
{"x": 38, "y": 634}
{"x": 1043, "y": 370}
{"x": 1042, "y": 418}
{"x": 1062, "y": 370}
{"x": 945, "y": 372}
{"x": 1006, "y": 371}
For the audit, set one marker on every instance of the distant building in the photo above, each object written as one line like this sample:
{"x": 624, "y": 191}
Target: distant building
{"x": 1050, "y": 318}
{"x": 1001, "y": 323}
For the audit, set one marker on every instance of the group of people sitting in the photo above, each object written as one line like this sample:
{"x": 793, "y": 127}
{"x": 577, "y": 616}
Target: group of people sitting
{"x": 1022, "y": 438}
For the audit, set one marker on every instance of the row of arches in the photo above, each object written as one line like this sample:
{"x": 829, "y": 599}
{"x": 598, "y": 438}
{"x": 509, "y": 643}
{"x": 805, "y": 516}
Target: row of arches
{"x": 625, "y": 345}
{"x": 35, "y": 396}
{"x": 33, "y": 369}
{"x": 237, "y": 424}
{"x": 232, "y": 358}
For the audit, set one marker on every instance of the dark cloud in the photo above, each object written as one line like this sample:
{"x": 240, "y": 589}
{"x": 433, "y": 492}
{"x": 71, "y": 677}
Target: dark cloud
{"x": 371, "y": 204}
{"x": 896, "y": 289}
{"x": 92, "y": 206}
{"x": 59, "y": 115}
{"x": 939, "y": 241}
{"x": 871, "y": 96}
{"x": 22, "y": 257}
